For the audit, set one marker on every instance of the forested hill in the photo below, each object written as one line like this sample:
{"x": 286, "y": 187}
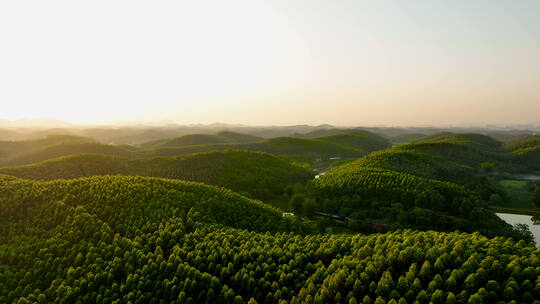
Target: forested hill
{"x": 372, "y": 195}
{"x": 526, "y": 151}
{"x": 445, "y": 156}
{"x": 127, "y": 201}
{"x": 296, "y": 149}
{"x": 9, "y": 149}
{"x": 430, "y": 184}
{"x": 366, "y": 141}
{"x": 462, "y": 138}
{"x": 258, "y": 174}
{"x": 316, "y": 152}
{"x": 201, "y": 139}
{"x": 68, "y": 148}
{"x": 148, "y": 240}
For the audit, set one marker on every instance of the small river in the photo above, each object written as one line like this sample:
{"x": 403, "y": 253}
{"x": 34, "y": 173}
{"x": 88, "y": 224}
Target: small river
{"x": 513, "y": 219}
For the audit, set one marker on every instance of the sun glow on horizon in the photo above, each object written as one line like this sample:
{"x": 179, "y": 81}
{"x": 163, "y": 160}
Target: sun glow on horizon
{"x": 271, "y": 62}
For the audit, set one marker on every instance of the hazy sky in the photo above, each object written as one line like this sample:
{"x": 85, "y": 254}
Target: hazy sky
{"x": 271, "y": 62}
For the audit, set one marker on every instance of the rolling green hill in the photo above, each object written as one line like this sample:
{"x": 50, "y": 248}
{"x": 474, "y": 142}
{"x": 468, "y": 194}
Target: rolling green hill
{"x": 447, "y": 157}
{"x": 437, "y": 182}
{"x": 9, "y": 149}
{"x": 375, "y": 195}
{"x": 463, "y": 138}
{"x": 406, "y": 138}
{"x": 527, "y": 152}
{"x": 258, "y": 174}
{"x": 201, "y": 139}
{"x": 67, "y": 148}
{"x": 313, "y": 151}
{"x": 147, "y": 240}
{"x": 126, "y": 200}
{"x": 417, "y": 162}
{"x": 363, "y": 140}
{"x": 466, "y": 149}
{"x": 294, "y": 149}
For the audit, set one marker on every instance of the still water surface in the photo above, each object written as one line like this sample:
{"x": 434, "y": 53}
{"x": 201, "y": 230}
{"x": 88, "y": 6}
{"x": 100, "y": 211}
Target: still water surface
{"x": 523, "y": 219}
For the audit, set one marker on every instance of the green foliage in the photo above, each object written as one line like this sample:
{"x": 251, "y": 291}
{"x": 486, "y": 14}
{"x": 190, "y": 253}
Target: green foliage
{"x": 524, "y": 145}
{"x": 64, "y": 149}
{"x": 421, "y": 163}
{"x": 527, "y": 152}
{"x": 259, "y": 174}
{"x": 11, "y": 149}
{"x": 487, "y": 166}
{"x": 366, "y": 141}
{"x": 296, "y": 203}
{"x": 516, "y": 195}
{"x": 202, "y": 139}
{"x": 295, "y": 149}
{"x": 406, "y": 138}
{"x": 377, "y": 189}
{"x": 316, "y": 151}
{"x": 131, "y": 200}
{"x": 148, "y": 240}
{"x": 536, "y": 198}
{"x": 119, "y": 239}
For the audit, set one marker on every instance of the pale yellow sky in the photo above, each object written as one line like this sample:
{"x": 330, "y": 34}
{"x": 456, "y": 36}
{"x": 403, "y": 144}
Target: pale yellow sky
{"x": 272, "y": 62}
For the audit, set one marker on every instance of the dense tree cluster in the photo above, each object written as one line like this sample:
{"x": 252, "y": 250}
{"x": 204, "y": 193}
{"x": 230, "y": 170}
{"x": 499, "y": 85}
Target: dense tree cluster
{"x": 311, "y": 151}
{"x": 369, "y": 194}
{"x": 256, "y": 174}
{"x": 61, "y": 252}
{"x": 128, "y": 201}
{"x": 304, "y": 150}
{"x": 201, "y": 139}
{"x": 465, "y": 159}
{"x": 364, "y": 140}
{"x": 125, "y": 239}
{"x": 62, "y": 149}
{"x": 417, "y": 162}
{"x": 527, "y": 152}
{"x": 13, "y": 149}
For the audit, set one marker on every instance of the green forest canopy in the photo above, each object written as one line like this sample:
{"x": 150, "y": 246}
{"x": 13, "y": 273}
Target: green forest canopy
{"x": 201, "y": 139}
{"x": 147, "y": 240}
{"x": 311, "y": 151}
{"x": 261, "y": 175}
{"x": 429, "y": 184}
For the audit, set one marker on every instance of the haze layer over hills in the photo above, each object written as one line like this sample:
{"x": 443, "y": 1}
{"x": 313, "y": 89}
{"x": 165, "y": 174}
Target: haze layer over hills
{"x": 392, "y": 217}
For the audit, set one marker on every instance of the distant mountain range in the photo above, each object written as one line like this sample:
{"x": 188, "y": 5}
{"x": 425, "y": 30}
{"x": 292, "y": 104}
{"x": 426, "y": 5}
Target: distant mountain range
{"x": 139, "y": 132}
{"x": 55, "y": 123}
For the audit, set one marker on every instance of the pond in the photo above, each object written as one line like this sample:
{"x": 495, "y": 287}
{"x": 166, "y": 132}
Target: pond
{"x": 534, "y": 224}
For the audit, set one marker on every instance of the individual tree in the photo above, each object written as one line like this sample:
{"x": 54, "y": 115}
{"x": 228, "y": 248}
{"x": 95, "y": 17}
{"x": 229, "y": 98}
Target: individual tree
{"x": 451, "y": 298}
{"x": 385, "y": 284}
{"x": 475, "y": 299}
{"x": 309, "y": 207}
{"x": 438, "y": 297}
{"x": 296, "y": 203}
{"x": 366, "y": 300}
{"x": 423, "y": 297}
